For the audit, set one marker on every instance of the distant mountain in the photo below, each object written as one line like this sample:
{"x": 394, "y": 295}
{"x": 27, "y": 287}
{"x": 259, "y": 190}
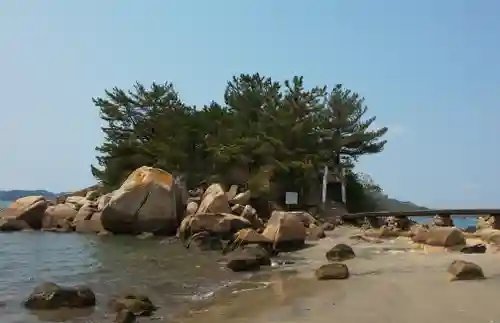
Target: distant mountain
{"x": 15, "y": 194}
{"x": 385, "y": 203}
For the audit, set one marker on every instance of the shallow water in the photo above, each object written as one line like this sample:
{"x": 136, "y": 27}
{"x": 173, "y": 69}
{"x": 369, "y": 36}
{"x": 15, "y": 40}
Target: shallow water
{"x": 460, "y": 222}
{"x": 173, "y": 277}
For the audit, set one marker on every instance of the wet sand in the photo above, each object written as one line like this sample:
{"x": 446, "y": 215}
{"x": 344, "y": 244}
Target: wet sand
{"x": 391, "y": 282}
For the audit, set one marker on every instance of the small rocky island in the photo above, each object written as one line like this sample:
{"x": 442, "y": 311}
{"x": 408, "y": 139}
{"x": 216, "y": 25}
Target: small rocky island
{"x": 152, "y": 202}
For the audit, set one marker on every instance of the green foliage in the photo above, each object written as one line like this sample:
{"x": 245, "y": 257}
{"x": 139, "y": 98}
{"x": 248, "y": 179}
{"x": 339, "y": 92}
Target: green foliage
{"x": 361, "y": 193}
{"x": 266, "y": 134}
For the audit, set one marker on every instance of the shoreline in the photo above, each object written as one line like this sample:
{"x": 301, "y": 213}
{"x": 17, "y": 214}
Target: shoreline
{"x": 393, "y": 281}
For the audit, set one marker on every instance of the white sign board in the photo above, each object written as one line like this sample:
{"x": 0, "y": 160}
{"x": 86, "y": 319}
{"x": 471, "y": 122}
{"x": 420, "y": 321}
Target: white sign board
{"x": 291, "y": 198}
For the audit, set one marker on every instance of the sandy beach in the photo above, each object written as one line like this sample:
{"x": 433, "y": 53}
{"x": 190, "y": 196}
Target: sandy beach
{"x": 394, "y": 281}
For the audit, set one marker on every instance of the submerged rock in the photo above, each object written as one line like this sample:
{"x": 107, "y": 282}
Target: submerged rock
{"x": 332, "y": 271}
{"x": 11, "y": 225}
{"x": 340, "y": 252}
{"x": 465, "y": 270}
{"x": 125, "y": 316}
{"x": 49, "y": 296}
{"x": 138, "y": 305}
{"x": 249, "y": 257}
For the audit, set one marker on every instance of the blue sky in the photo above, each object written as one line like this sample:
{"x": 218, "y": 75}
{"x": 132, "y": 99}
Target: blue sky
{"x": 429, "y": 71}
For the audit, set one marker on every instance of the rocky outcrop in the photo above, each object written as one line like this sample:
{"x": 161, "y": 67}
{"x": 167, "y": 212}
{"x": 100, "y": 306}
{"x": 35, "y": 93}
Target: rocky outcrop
{"x": 465, "y": 270}
{"x": 223, "y": 224}
{"x": 85, "y": 192}
{"x": 285, "y": 229}
{"x": 146, "y": 202}
{"x": 76, "y": 201}
{"x": 59, "y": 216}
{"x": 214, "y": 200}
{"x": 30, "y": 209}
{"x": 50, "y": 296}
{"x": 92, "y": 224}
{"x": 88, "y": 218}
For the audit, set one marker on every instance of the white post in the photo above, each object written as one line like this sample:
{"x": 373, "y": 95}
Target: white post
{"x": 323, "y": 188}
{"x": 342, "y": 180}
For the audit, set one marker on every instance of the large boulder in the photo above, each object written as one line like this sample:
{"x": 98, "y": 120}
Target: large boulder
{"x": 30, "y": 209}
{"x": 222, "y": 224}
{"x": 146, "y": 202}
{"x": 285, "y": 229}
{"x": 85, "y": 212}
{"x": 58, "y": 216}
{"x": 92, "y": 224}
{"x": 50, "y": 296}
{"x": 445, "y": 237}
{"x": 214, "y": 200}
{"x": 103, "y": 200}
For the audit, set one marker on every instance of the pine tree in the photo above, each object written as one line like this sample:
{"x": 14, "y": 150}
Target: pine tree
{"x": 144, "y": 127}
{"x": 345, "y": 131}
